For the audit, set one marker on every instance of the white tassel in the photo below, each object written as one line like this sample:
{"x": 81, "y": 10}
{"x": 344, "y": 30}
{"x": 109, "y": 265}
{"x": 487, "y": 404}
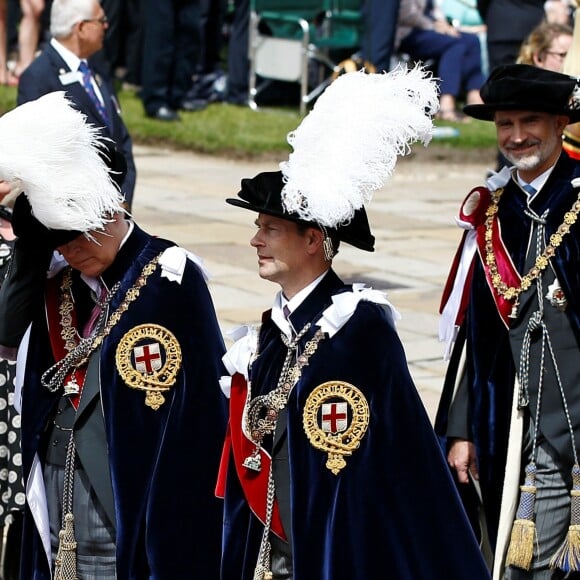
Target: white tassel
{"x": 54, "y": 152}
{"x": 347, "y": 146}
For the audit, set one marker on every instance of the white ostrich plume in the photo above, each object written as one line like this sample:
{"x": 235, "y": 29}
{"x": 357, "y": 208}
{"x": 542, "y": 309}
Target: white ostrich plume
{"x": 53, "y": 153}
{"x": 347, "y": 146}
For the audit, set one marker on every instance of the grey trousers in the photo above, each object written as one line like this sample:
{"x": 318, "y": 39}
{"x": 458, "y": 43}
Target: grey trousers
{"x": 552, "y": 510}
{"x": 94, "y": 533}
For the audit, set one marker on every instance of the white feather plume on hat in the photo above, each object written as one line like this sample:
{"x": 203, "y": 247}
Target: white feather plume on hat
{"x": 347, "y": 146}
{"x": 49, "y": 148}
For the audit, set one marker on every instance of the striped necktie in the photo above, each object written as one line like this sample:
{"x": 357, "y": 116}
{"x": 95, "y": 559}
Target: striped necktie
{"x": 90, "y": 90}
{"x": 95, "y": 313}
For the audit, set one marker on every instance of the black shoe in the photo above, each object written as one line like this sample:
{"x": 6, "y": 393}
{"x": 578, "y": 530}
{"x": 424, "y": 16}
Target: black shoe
{"x": 192, "y": 105}
{"x": 164, "y": 113}
{"x": 240, "y": 100}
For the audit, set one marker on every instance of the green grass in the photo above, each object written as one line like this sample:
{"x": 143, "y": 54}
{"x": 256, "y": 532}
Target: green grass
{"x": 228, "y": 130}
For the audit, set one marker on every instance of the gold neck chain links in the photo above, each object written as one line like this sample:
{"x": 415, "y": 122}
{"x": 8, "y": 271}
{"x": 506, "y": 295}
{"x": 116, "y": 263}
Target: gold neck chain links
{"x": 79, "y": 352}
{"x": 513, "y": 292}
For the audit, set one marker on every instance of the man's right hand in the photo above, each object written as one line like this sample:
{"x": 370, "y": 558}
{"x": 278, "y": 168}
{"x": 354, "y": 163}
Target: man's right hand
{"x": 462, "y": 458}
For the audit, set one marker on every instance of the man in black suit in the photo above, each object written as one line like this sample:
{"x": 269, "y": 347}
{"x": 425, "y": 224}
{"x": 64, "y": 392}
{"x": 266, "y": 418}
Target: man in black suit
{"x": 77, "y": 28}
{"x": 508, "y": 24}
{"x": 171, "y": 49}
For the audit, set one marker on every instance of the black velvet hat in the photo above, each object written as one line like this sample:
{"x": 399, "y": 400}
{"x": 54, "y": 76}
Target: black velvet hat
{"x": 262, "y": 194}
{"x": 521, "y": 87}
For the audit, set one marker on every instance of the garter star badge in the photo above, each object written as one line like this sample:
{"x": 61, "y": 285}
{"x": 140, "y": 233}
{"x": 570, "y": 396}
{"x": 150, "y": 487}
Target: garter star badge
{"x": 148, "y": 358}
{"x": 556, "y": 296}
{"x": 335, "y": 419}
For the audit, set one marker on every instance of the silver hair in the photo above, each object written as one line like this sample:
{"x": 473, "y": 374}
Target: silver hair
{"x": 64, "y": 14}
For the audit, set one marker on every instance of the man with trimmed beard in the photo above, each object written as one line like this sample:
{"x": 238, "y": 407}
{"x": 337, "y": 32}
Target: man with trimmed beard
{"x": 510, "y": 409}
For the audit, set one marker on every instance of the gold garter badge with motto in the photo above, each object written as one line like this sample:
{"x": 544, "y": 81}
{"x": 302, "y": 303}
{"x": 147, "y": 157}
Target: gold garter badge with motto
{"x": 148, "y": 358}
{"x": 335, "y": 419}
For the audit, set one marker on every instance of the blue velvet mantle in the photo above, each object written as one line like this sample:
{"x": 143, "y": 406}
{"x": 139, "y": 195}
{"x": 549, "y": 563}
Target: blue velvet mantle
{"x": 393, "y": 511}
{"x": 162, "y": 463}
{"x": 490, "y": 367}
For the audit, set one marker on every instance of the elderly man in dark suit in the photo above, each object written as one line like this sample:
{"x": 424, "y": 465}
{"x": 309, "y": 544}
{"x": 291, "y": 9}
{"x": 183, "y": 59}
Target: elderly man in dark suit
{"x": 78, "y": 28}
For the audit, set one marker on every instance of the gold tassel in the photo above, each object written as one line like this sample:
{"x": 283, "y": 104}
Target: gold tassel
{"x": 66, "y": 557}
{"x": 521, "y": 548}
{"x": 523, "y": 536}
{"x": 567, "y": 557}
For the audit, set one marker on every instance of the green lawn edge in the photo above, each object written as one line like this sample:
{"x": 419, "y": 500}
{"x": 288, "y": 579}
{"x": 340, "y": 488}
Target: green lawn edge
{"x": 241, "y": 133}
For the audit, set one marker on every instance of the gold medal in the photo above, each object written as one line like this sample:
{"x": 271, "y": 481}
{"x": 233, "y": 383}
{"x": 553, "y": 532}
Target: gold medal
{"x": 148, "y": 358}
{"x": 335, "y": 419}
{"x": 556, "y": 296}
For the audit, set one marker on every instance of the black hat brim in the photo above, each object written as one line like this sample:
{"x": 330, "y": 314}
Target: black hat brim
{"x": 262, "y": 194}
{"x": 485, "y": 112}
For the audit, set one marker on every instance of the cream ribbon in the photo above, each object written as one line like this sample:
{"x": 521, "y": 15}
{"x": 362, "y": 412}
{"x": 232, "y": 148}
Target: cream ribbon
{"x": 237, "y": 358}
{"x": 173, "y": 262}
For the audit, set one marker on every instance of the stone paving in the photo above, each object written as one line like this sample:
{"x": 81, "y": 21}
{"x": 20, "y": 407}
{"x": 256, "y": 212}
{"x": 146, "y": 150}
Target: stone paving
{"x": 180, "y": 196}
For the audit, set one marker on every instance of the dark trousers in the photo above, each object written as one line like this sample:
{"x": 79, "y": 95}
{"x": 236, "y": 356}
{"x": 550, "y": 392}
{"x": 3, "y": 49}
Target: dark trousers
{"x": 133, "y": 45}
{"x": 380, "y": 23}
{"x": 459, "y": 58}
{"x": 212, "y": 18}
{"x": 500, "y": 53}
{"x": 170, "y": 52}
{"x": 238, "y": 63}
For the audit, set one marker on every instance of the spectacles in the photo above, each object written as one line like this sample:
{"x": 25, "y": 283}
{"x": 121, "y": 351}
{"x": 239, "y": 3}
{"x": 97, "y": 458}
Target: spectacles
{"x": 102, "y": 20}
{"x": 560, "y": 55}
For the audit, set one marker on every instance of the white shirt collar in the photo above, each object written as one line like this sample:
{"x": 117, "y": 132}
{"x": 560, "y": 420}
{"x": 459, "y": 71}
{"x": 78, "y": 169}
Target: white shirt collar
{"x": 71, "y": 59}
{"x": 537, "y": 183}
{"x": 280, "y": 301}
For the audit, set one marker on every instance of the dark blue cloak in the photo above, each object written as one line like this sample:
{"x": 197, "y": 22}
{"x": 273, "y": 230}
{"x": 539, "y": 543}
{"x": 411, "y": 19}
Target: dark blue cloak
{"x": 162, "y": 463}
{"x": 392, "y": 511}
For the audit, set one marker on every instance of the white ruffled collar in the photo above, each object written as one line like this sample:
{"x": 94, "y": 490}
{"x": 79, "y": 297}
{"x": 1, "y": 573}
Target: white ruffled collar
{"x": 237, "y": 358}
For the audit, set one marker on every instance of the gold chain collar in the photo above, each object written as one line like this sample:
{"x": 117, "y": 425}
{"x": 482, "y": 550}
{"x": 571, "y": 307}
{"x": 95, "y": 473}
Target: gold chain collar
{"x": 262, "y": 411}
{"x": 512, "y": 292}
{"x": 79, "y": 352}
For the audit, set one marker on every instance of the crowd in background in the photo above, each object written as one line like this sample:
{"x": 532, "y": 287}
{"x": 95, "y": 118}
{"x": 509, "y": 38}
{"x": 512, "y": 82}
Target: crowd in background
{"x": 461, "y": 40}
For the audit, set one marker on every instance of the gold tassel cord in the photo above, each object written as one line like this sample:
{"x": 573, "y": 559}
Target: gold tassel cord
{"x": 523, "y": 536}
{"x": 66, "y": 560}
{"x": 567, "y": 557}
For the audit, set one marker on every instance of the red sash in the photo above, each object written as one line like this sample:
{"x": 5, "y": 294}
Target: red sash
{"x": 56, "y": 340}
{"x": 254, "y": 483}
{"x": 505, "y": 268}
{"x": 473, "y": 211}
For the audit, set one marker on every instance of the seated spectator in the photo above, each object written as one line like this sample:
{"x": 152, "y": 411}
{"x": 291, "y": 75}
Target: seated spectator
{"x": 424, "y": 34}
{"x": 547, "y": 46}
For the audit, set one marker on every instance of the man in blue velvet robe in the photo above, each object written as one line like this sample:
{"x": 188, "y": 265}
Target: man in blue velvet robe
{"x": 510, "y": 409}
{"x": 331, "y": 469}
{"x": 122, "y": 423}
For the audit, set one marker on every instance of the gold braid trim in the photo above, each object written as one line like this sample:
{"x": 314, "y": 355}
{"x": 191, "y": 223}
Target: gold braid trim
{"x": 79, "y": 351}
{"x": 512, "y": 292}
